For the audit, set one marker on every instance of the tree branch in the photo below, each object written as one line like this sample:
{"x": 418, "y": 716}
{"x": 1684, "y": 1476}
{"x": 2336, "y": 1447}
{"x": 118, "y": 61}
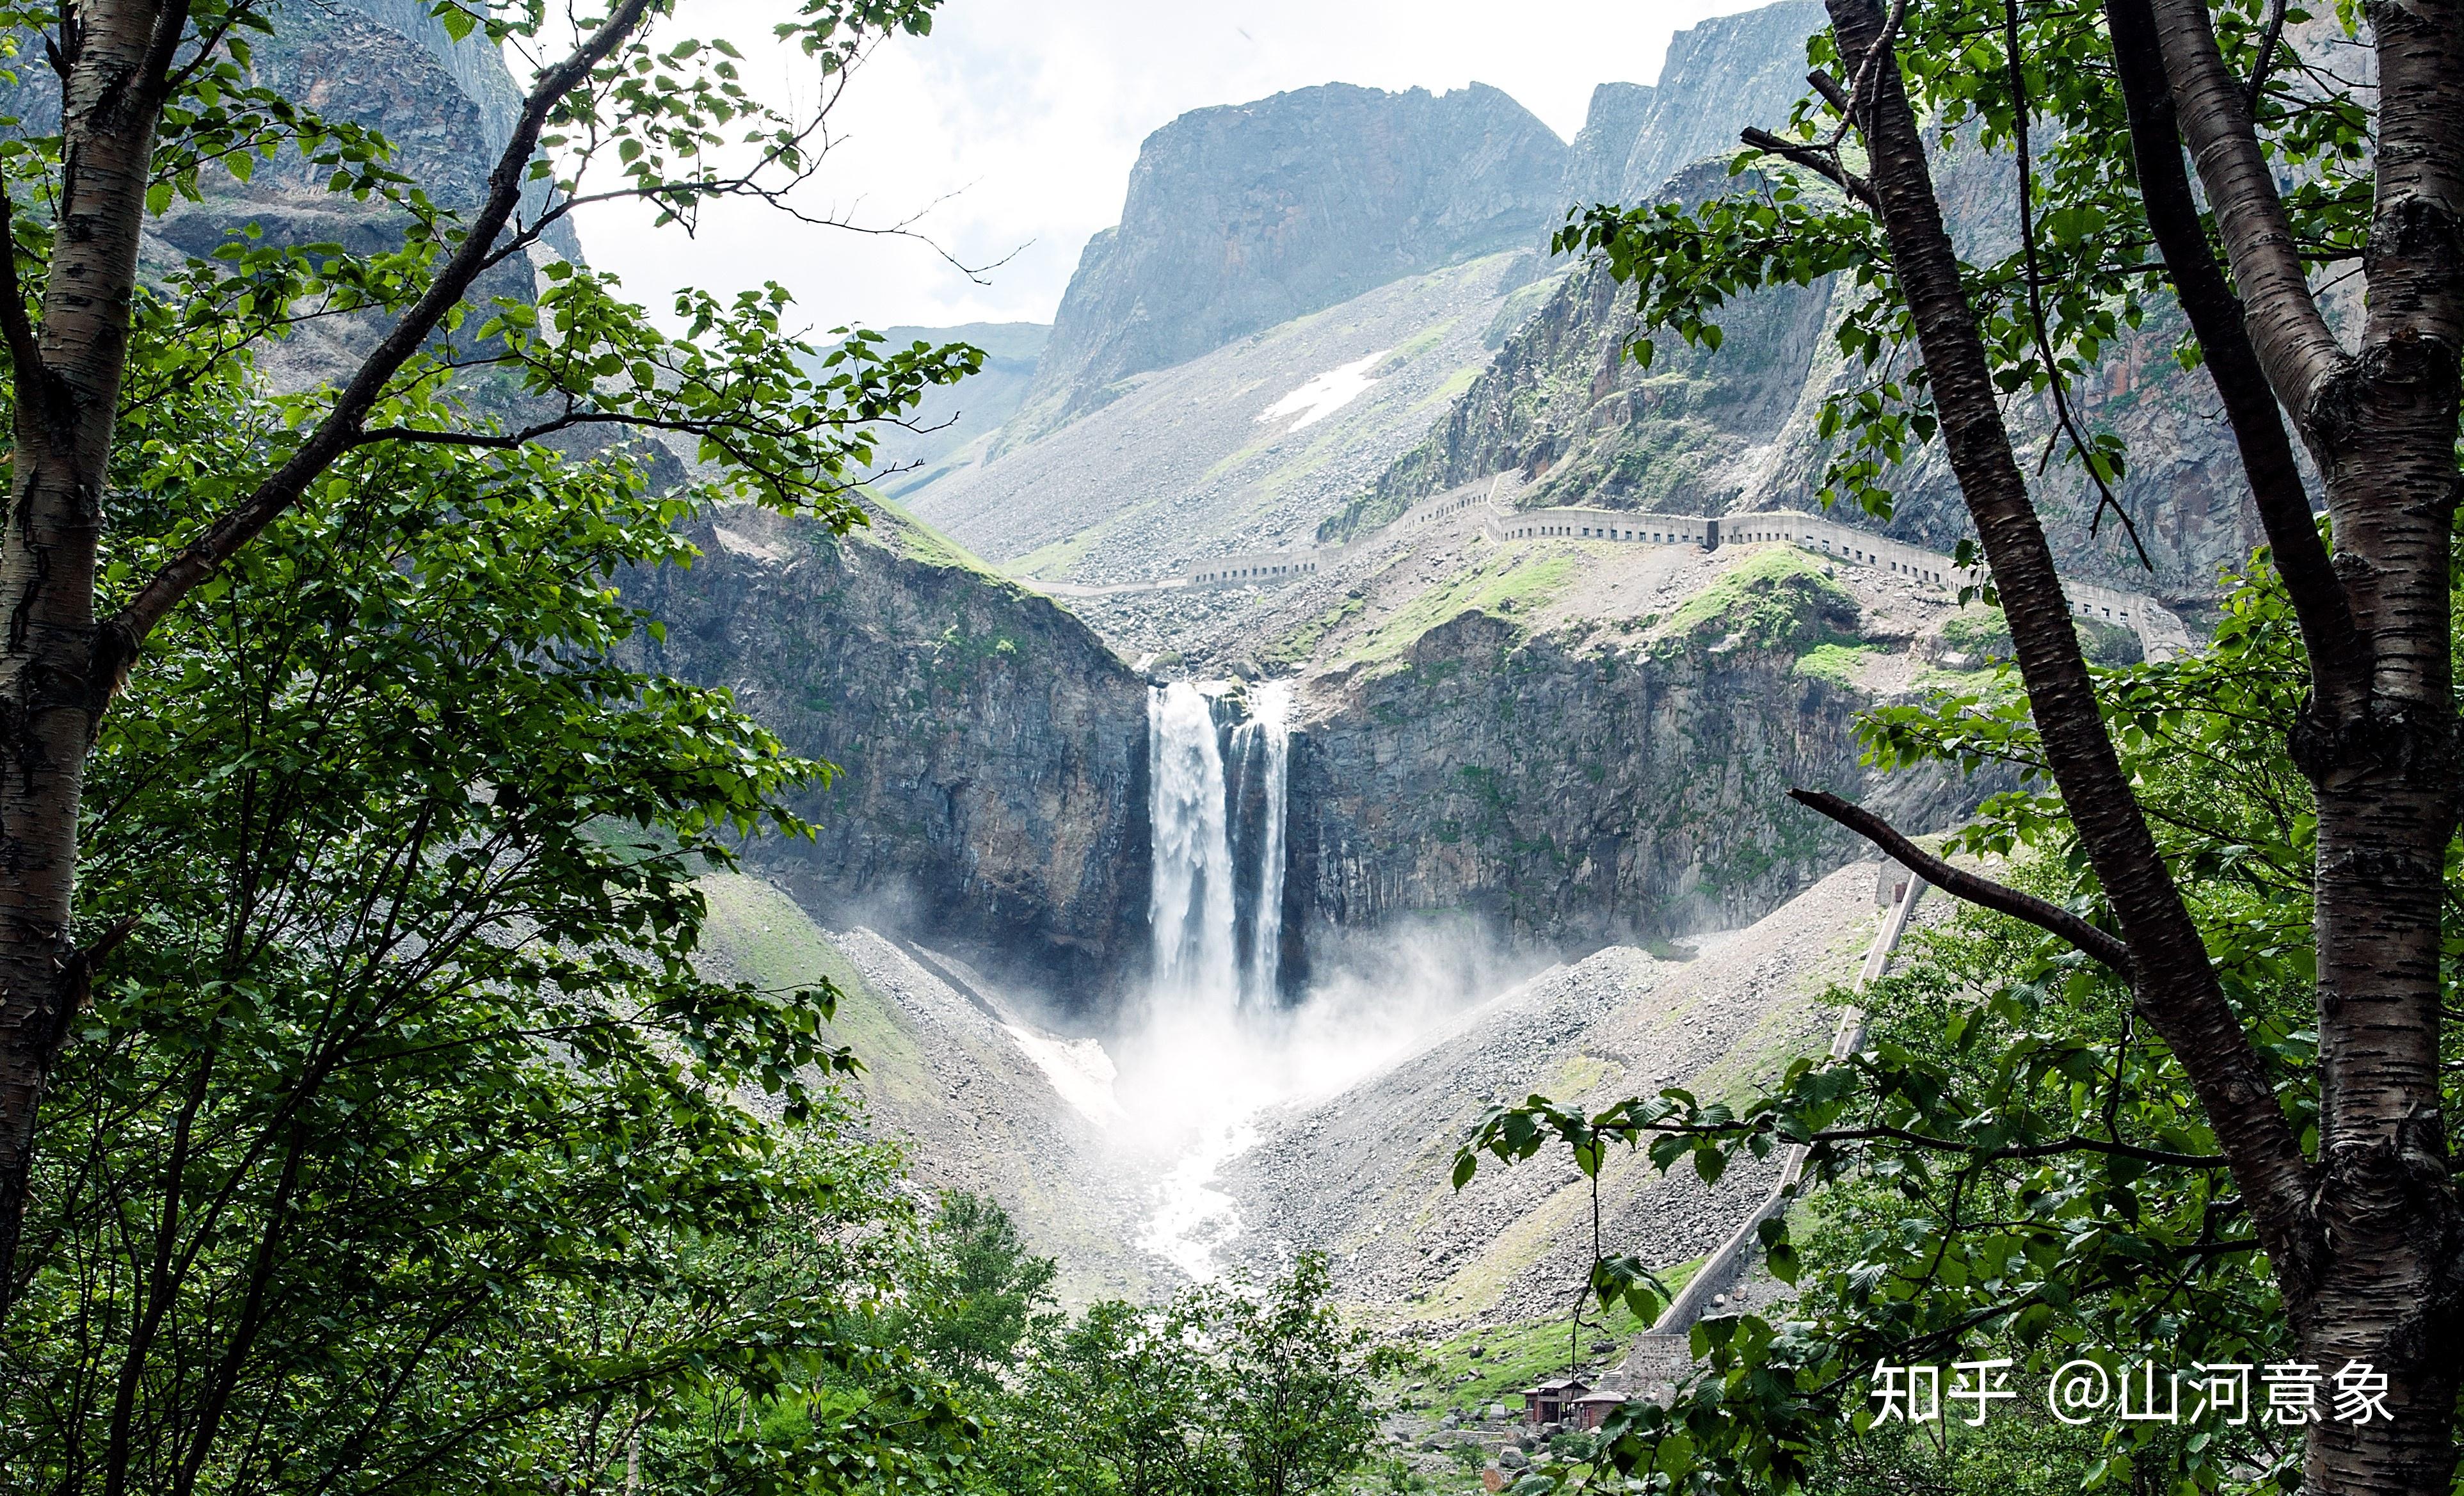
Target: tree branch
{"x": 2339, "y": 656}
{"x": 1961, "y": 884}
{"x": 117, "y": 640}
{"x": 25, "y": 350}
{"x": 2266, "y": 63}
{"x": 2295, "y": 345}
{"x": 2172, "y": 981}
{"x": 2105, "y": 498}
{"x": 1815, "y": 158}
{"x": 2073, "y": 1144}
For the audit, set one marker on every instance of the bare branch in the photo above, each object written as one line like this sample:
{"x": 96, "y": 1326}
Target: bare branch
{"x": 25, "y": 350}
{"x": 1828, "y": 88}
{"x": 2105, "y": 499}
{"x": 1959, "y": 883}
{"x": 2073, "y": 1144}
{"x": 2266, "y": 63}
{"x": 1813, "y": 158}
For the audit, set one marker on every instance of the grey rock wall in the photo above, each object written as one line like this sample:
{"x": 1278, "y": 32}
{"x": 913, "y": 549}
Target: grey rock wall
{"x": 1729, "y": 72}
{"x": 1243, "y": 218}
{"x": 994, "y": 789}
{"x": 1595, "y": 166}
{"x": 1568, "y": 789}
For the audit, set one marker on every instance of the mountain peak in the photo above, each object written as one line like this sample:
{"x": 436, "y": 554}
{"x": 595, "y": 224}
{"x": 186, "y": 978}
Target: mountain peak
{"x": 1244, "y": 216}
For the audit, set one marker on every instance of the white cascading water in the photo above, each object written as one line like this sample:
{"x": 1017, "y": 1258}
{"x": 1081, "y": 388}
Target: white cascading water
{"x": 1205, "y": 975}
{"x": 1192, "y": 902}
{"x": 1268, "y": 735}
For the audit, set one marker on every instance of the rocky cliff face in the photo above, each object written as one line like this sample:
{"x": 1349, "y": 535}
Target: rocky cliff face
{"x": 446, "y": 106}
{"x": 1738, "y": 428}
{"x": 1576, "y": 786}
{"x": 1241, "y": 218}
{"x": 1595, "y": 165}
{"x": 1720, "y": 77}
{"x": 994, "y": 753}
{"x": 1562, "y": 404}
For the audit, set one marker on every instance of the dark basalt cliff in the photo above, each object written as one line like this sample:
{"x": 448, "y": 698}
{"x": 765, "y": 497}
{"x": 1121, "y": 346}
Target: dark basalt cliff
{"x": 1241, "y": 218}
{"x": 1568, "y": 789}
{"x": 1560, "y": 786}
{"x": 994, "y": 788}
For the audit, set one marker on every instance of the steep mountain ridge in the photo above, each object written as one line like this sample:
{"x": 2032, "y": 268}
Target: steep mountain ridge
{"x": 1244, "y": 217}
{"x": 1738, "y": 429}
{"x": 1720, "y": 76}
{"x": 1595, "y": 163}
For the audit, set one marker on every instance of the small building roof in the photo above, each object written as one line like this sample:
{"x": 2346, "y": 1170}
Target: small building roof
{"x": 1557, "y": 1384}
{"x": 1602, "y": 1396}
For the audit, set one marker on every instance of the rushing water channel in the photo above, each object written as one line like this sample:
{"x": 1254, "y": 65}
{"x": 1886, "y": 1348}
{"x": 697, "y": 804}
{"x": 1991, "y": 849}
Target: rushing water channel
{"x": 1220, "y": 764}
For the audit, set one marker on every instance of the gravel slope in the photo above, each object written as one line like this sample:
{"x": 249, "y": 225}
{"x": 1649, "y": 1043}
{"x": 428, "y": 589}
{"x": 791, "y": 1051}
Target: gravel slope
{"x": 1365, "y": 1175}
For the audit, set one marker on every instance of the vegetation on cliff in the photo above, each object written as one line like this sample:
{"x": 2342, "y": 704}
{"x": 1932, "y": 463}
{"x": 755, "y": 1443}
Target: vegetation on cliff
{"x": 1779, "y": 598}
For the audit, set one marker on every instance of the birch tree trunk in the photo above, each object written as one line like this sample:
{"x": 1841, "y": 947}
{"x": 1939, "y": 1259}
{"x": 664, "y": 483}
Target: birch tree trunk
{"x": 67, "y": 381}
{"x": 2364, "y": 1239}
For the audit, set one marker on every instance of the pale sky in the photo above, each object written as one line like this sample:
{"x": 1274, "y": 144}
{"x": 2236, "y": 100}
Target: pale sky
{"x": 1016, "y": 122}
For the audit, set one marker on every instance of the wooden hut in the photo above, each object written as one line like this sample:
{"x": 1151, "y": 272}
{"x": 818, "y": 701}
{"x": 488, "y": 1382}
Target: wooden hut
{"x": 1587, "y": 1410}
{"x": 1552, "y": 1402}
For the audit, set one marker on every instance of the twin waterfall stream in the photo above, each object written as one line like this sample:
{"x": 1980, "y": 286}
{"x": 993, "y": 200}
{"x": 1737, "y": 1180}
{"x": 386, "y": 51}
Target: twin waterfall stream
{"x": 1218, "y": 805}
{"x": 1218, "y": 763}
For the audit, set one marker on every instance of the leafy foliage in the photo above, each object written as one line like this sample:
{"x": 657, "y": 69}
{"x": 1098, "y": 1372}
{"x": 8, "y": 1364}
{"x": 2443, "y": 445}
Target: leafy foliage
{"x": 1224, "y": 1389}
{"x": 404, "y": 1141}
{"x": 2052, "y": 309}
{"x": 975, "y": 1293}
{"x": 2009, "y": 1166}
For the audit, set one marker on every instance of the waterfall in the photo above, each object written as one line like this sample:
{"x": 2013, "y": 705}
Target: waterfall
{"x": 1220, "y": 801}
{"x": 1266, "y": 742}
{"x": 1219, "y": 763}
{"x": 1191, "y": 900}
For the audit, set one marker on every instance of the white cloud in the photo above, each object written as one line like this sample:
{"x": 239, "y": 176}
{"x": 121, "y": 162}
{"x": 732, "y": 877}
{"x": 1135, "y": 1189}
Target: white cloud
{"x": 1014, "y": 124}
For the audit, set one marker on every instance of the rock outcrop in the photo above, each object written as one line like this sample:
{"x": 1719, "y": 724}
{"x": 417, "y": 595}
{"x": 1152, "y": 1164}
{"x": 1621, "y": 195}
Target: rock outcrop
{"x": 1739, "y": 427}
{"x": 1574, "y": 787}
{"x": 992, "y": 795}
{"x": 448, "y": 107}
{"x": 1241, "y": 218}
{"x": 1720, "y": 77}
{"x": 1563, "y": 404}
{"x": 1595, "y": 165}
